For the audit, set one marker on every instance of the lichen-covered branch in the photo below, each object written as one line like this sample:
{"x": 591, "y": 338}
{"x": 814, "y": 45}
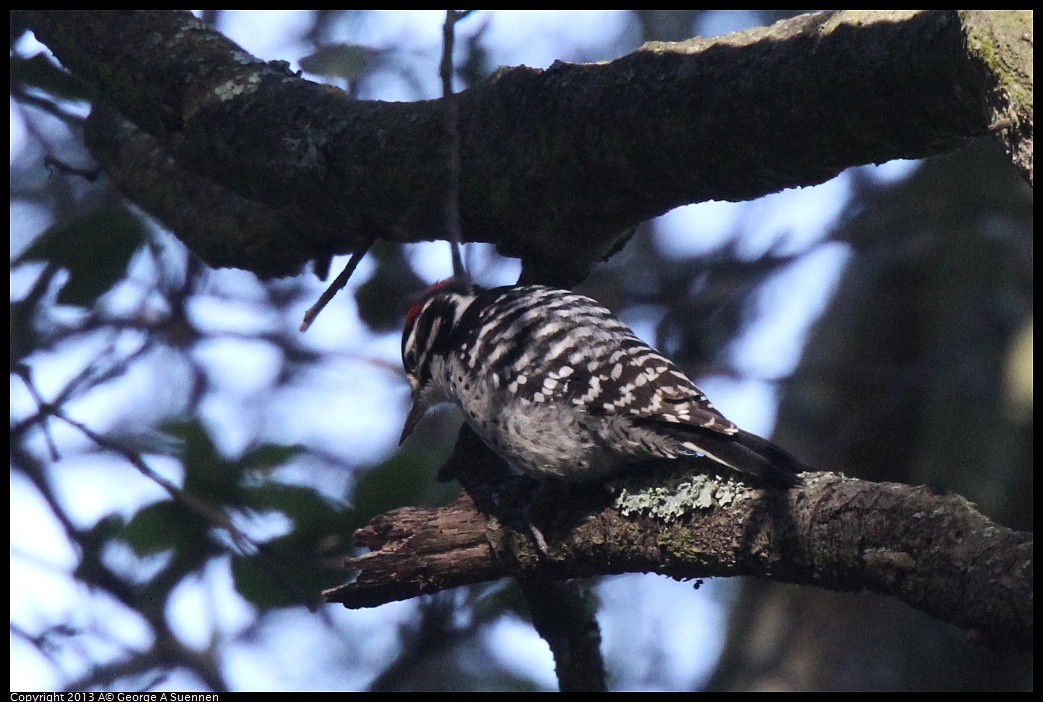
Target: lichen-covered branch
{"x": 934, "y": 552}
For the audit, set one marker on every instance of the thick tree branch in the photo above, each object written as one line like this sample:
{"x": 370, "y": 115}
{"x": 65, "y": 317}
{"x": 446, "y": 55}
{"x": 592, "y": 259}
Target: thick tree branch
{"x": 934, "y": 552}
{"x": 222, "y": 227}
{"x": 1001, "y": 45}
{"x": 728, "y": 118}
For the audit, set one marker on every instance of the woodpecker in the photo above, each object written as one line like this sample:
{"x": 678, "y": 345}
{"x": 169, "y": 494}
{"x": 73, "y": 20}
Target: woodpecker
{"x": 562, "y": 390}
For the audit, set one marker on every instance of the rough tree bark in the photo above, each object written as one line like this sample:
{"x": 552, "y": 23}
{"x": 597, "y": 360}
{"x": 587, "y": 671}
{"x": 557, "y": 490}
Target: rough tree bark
{"x": 728, "y": 118}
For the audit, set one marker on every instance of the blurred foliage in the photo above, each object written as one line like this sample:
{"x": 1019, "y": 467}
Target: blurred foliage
{"x": 113, "y": 323}
{"x": 94, "y": 249}
{"x": 338, "y": 60}
{"x": 902, "y": 379}
{"x": 393, "y": 281}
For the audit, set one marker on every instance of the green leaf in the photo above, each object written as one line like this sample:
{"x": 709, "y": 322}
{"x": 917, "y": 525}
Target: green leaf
{"x": 208, "y": 476}
{"x": 338, "y": 60}
{"x": 405, "y": 478}
{"x": 91, "y": 569}
{"x": 298, "y": 503}
{"x": 268, "y": 456}
{"x": 94, "y": 248}
{"x": 160, "y": 527}
{"x": 381, "y": 299}
{"x": 271, "y": 583}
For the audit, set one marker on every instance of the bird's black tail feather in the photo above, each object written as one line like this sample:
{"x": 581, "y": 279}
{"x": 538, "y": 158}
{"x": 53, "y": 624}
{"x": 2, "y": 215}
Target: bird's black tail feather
{"x": 749, "y": 453}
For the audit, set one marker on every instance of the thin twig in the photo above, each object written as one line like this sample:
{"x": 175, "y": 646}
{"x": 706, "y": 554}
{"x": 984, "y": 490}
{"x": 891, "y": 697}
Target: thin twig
{"x": 209, "y": 514}
{"x": 88, "y": 174}
{"x": 339, "y": 282}
{"x": 24, "y": 372}
{"x": 452, "y": 134}
{"x": 269, "y": 559}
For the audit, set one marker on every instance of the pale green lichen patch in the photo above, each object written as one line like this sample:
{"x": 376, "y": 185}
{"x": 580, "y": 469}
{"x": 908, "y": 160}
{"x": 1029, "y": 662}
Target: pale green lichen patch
{"x": 674, "y": 495}
{"x": 234, "y": 88}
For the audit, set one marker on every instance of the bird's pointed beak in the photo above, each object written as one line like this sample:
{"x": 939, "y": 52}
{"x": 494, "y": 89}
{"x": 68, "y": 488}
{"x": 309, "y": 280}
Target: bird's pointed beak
{"x": 417, "y": 410}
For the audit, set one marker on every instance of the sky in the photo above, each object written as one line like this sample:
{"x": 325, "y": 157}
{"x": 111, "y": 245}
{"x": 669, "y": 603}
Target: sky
{"x": 636, "y": 608}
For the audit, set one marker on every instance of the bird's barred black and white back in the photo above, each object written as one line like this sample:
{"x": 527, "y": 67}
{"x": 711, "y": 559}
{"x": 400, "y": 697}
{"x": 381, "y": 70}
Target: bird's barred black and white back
{"x": 563, "y": 390}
